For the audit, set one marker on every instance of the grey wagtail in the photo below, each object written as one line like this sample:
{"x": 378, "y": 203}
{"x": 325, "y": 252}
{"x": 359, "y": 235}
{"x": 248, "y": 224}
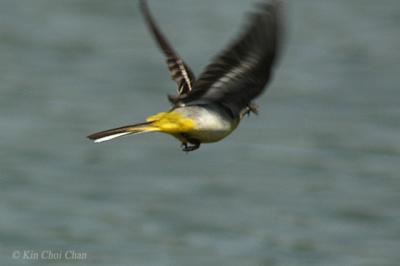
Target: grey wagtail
{"x": 209, "y": 108}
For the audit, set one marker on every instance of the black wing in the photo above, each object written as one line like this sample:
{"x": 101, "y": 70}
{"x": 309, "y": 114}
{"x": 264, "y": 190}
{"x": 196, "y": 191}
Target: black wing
{"x": 241, "y": 72}
{"x": 180, "y": 72}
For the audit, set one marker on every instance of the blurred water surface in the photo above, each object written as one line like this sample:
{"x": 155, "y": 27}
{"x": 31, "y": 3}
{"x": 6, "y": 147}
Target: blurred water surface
{"x": 313, "y": 180}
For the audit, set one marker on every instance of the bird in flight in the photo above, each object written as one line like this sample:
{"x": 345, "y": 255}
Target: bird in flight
{"x": 209, "y": 108}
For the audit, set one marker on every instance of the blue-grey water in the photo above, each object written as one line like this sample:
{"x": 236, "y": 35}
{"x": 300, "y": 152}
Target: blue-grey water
{"x": 313, "y": 180}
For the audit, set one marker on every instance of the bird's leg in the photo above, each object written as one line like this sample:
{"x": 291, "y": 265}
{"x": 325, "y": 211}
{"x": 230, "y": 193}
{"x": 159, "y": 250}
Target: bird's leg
{"x": 251, "y": 108}
{"x": 184, "y": 145}
{"x": 186, "y": 140}
{"x": 189, "y": 148}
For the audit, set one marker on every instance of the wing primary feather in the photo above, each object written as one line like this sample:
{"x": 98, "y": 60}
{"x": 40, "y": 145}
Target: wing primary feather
{"x": 179, "y": 71}
{"x": 241, "y": 72}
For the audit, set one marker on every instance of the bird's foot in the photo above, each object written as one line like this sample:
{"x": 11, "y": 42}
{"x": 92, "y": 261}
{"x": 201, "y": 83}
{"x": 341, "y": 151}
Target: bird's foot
{"x": 251, "y": 108}
{"x": 188, "y": 148}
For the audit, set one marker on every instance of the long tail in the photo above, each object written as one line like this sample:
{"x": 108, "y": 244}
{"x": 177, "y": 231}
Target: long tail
{"x": 122, "y": 131}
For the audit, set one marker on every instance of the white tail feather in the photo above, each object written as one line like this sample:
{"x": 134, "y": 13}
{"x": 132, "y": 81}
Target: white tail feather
{"x": 111, "y": 137}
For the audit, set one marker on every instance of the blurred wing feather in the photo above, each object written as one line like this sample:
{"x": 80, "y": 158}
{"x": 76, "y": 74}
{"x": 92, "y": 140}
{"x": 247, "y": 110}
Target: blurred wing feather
{"x": 241, "y": 72}
{"x": 179, "y": 71}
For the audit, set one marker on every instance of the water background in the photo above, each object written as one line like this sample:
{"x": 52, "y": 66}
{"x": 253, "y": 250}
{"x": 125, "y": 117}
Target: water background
{"x": 313, "y": 180}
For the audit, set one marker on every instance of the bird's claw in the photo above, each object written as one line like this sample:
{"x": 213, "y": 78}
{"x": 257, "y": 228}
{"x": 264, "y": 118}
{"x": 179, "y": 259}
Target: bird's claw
{"x": 251, "y": 108}
{"x": 188, "y": 148}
